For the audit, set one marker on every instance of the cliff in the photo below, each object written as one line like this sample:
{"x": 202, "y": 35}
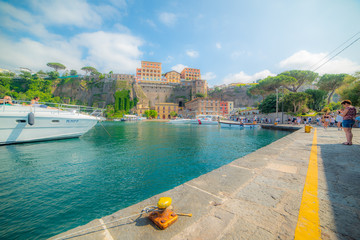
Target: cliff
{"x": 237, "y": 94}
{"x": 93, "y": 92}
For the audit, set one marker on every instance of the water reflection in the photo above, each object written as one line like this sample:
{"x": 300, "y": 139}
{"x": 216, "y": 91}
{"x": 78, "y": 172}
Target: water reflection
{"x": 53, "y": 186}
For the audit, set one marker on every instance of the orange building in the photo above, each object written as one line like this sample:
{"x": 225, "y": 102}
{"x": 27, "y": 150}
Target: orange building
{"x": 149, "y": 72}
{"x": 206, "y": 106}
{"x": 164, "y": 109}
{"x": 172, "y": 77}
{"x": 190, "y": 74}
{"x": 226, "y": 107}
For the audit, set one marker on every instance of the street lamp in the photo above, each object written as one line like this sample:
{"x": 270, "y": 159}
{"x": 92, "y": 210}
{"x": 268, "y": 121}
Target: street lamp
{"x": 277, "y": 106}
{"x": 277, "y": 102}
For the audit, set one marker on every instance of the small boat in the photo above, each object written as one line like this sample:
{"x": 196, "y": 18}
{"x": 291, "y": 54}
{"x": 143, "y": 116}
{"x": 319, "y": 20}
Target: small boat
{"x": 206, "y": 120}
{"x": 232, "y": 124}
{"x": 26, "y": 123}
{"x": 180, "y": 121}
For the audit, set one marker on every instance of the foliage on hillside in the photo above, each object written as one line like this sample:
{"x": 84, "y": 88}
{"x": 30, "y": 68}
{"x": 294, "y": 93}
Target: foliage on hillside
{"x": 26, "y": 86}
{"x": 295, "y": 101}
{"x": 123, "y": 104}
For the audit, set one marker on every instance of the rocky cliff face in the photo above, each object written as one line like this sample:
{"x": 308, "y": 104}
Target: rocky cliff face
{"x": 238, "y": 95}
{"x": 101, "y": 93}
{"x": 95, "y": 93}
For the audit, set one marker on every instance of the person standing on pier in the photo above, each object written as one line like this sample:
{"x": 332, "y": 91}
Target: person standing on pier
{"x": 348, "y": 115}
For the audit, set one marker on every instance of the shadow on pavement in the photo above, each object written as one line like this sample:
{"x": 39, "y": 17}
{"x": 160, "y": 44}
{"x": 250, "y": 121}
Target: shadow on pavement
{"x": 342, "y": 198}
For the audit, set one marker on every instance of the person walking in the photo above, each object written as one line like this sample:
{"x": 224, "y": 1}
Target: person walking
{"x": 339, "y": 120}
{"x": 326, "y": 120}
{"x": 348, "y": 115}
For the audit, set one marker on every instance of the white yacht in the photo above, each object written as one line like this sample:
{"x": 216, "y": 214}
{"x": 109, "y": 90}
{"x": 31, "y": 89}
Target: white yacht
{"x": 232, "y": 124}
{"x": 26, "y": 123}
{"x": 180, "y": 121}
{"x": 206, "y": 119}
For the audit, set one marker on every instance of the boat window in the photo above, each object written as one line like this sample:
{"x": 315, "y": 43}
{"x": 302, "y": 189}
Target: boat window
{"x": 21, "y": 121}
{"x": 55, "y": 121}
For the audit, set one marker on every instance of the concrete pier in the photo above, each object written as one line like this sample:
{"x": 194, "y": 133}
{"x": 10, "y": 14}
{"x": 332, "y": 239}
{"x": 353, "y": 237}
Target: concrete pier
{"x": 258, "y": 196}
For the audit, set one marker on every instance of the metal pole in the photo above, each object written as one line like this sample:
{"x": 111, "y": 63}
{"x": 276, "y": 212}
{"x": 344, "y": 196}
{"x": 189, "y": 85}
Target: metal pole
{"x": 277, "y": 102}
{"x": 282, "y": 110}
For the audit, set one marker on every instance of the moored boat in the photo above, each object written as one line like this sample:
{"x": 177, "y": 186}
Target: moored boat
{"x": 206, "y": 120}
{"x": 180, "y": 121}
{"x": 232, "y": 124}
{"x": 27, "y": 123}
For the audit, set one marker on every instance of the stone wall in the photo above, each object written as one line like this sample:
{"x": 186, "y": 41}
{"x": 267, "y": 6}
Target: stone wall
{"x": 162, "y": 93}
{"x": 238, "y": 95}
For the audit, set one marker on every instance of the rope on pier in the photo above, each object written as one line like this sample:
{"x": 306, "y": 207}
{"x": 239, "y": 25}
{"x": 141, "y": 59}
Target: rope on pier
{"x": 87, "y": 230}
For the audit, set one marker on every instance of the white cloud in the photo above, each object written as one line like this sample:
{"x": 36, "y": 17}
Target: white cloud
{"x": 208, "y": 76}
{"x": 192, "y": 53}
{"x": 169, "y": 19}
{"x": 110, "y": 51}
{"x": 218, "y": 45}
{"x": 19, "y": 20}
{"x": 242, "y": 77}
{"x": 179, "y": 67}
{"x": 34, "y": 55}
{"x": 68, "y": 12}
{"x": 104, "y": 51}
{"x": 305, "y": 60}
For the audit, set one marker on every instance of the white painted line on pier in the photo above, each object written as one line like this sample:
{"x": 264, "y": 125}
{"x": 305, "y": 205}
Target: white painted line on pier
{"x": 202, "y": 190}
{"x": 106, "y": 231}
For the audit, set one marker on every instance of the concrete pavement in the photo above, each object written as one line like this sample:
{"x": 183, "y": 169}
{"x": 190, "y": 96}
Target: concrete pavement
{"x": 255, "y": 197}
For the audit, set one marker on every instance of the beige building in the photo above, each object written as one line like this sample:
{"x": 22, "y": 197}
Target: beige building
{"x": 199, "y": 86}
{"x": 172, "y": 77}
{"x": 207, "y": 106}
{"x": 164, "y": 109}
{"x": 140, "y": 109}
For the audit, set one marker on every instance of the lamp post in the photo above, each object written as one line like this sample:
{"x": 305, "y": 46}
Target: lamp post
{"x": 277, "y": 102}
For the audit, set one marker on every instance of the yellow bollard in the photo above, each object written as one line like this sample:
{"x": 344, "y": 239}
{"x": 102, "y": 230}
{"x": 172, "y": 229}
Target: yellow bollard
{"x": 308, "y": 129}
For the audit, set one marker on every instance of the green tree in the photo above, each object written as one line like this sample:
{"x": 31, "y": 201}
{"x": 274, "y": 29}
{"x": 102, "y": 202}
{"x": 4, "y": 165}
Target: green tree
{"x": 268, "y": 85}
{"x": 268, "y": 105}
{"x": 352, "y": 93}
{"x": 294, "y": 101}
{"x": 293, "y": 80}
{"x": 151, "y": 114}
{"x": 89, "y": 70}
{"x": 56, "y": 66}
{"x": 73, "y": 72}
{"x": 200, "y": 95}
{"x": 317, "y": 99}
{"x": 53, "y": 75}
{"x": 173, "y": 114}
{"x": 331, "y": 82}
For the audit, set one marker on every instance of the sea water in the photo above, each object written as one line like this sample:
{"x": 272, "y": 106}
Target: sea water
{"x": 49, "y": 187}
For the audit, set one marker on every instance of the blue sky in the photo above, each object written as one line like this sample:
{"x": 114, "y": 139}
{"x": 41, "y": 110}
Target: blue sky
{"x": 229, "y": 41}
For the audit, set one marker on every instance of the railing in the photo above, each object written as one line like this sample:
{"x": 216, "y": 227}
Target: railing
{"x": 56, "y": 107}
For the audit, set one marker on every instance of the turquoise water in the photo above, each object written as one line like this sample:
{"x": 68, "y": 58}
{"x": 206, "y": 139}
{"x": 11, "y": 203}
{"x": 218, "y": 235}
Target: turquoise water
{"x": 49, "y": 187}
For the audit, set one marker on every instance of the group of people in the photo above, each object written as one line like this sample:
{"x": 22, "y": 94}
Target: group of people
{"x": 34, "y": 102}
{"x": 6, "y": 100}
{"x": 299, "y": 120}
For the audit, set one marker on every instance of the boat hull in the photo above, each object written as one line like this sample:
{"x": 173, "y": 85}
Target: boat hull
{"x": 180, "y": 121}
{"x": 15, "y": 126}
{"x": 238, "y": 125}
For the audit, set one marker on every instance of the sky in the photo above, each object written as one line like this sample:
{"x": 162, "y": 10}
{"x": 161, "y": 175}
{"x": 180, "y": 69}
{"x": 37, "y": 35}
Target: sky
{"x": 228, "y": 40}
